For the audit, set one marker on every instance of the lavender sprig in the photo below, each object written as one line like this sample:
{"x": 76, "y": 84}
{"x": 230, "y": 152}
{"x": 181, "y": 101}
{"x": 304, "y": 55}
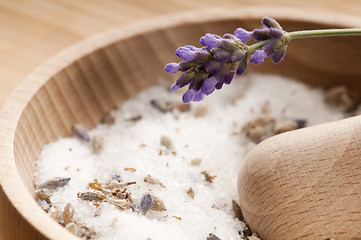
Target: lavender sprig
{"x": 208, "y": 68}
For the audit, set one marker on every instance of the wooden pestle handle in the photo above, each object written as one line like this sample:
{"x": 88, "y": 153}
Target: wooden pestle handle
{"x": 305, "y": 184}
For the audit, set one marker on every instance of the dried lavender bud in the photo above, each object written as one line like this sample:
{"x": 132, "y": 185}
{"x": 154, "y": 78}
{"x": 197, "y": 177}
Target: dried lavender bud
{"x": 146, "y": 203}
{"x": 158, "y": 204}
{"x": 81, "y": 132}
{"x": 190, "y": 192}
{"x": 135, "y": 207}
{"x": 97, "y": 143}
{"x": 301, "y": 123}
{"x": 91, "y": 196}
{"x": 166, "y": 142}
{"x": 108, "y": 118}
{"x": 44, "y": 205}
{"x": 151, "y": 180}
{"x": 135, "y": 118}
{"x": 160, "y": 105}
{"x": 54, "y": 183}
{"x": 212, "y": 236}
{"x": 117, "y": 177}
{"x": 68, "y": 213}
{"x": 43, "y": 195}
{"x": 116, "y": 184}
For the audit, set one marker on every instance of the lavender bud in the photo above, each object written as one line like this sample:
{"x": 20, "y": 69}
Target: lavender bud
{"x": 54, "y": 183}
{"x": 221, "y": 55}
{"x": 258, "y": 57}
{"x": 275, "y": 33}
{"x": 270, "y": 23}
{"x": 146, "y": 203}
{"x": 229, "y": 45}
{"x": 184, "y": 79}
{"x": 209, "y": 85}
{"x": 187, "y": 53}
{"x": 243, "y": 35}
{"x": 219, "y": 85}
{"x": 279, "y": 55}
{"x": 242, "y": 66}
{"x": 185, "y": 66}
{"x": 211, "y": 236}
{"x": 210, "y": 40}
{"x": 188, "y": 95}
{"x": 260, "y": 34}
{"x": 81, "y": 132}
{"x": 227, "y": 79}
{"x": 237, "y": 55}
{"x": 202, "y": 56}
{"x": 198, "y": 96}
{"x": 172, "y": 67}
{"x": 213, "y": 67}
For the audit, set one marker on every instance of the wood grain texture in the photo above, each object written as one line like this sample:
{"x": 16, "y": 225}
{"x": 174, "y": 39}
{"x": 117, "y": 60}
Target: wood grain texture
{"x": 83, "y": 82}
{"x": 305, "y": 184}
{"x": 31, "y": 31}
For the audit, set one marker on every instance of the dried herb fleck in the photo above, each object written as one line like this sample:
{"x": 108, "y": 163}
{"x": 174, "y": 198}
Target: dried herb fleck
{"x": 152, "y": 180}
{"x": 212, "y": 236}
{"x": 208, "y": 177}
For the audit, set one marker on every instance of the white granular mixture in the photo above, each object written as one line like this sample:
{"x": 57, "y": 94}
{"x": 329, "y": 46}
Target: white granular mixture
{"x": 214, "y": 138}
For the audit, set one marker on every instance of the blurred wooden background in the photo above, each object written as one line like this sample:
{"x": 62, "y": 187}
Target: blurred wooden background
{"x": 31, "y": 31}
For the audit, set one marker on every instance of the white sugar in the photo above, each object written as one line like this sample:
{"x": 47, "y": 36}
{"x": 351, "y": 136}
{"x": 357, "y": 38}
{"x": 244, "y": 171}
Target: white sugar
{"x": 214, "y": 138}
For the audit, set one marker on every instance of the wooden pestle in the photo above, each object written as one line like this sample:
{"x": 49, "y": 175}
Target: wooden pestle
{"x": 305, "y": 184}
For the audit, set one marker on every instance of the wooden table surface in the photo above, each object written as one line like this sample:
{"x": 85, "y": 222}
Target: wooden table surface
{"x": 31, "y": 31}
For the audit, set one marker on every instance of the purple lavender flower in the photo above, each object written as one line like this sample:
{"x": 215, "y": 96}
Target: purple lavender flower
{"x": 210, "y": 40}
{"x": 187, "y": 53}
{"x": 208, "y": 68}
{"x": 146, "y": 203}
{"x": 172, "y": 67}
{"x": 243, "y": 35}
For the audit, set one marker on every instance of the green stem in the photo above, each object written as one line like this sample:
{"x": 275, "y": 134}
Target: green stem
{"x": 311, "y": 33}
{"x": 325, "y": 33}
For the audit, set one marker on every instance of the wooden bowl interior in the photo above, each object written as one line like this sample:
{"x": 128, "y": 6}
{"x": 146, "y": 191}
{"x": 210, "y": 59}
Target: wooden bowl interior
{"x": 88, "y": 87}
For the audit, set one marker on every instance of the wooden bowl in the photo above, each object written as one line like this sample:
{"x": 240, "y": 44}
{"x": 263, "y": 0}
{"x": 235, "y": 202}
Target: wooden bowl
{"x": 83, "y": 82}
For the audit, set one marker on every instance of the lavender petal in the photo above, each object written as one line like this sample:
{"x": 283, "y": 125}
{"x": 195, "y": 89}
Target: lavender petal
{"x": 188, "y": 95}
{"x": 270, "y": 23}
{"x": 172, "y": 67}
{"x": 260, "y": 34}
{"x": 209, "y": 85}
{"x": 198, "y": 96}
{"x": 258, "y": 56}
{"x": 242, "y": 66}
{"x": 279, "y": 55}
{"x": 210, "y": 40}
{"x": 275, "y": 33}
{"x": 186, "y": 53}
{"x": 243, "y": 35}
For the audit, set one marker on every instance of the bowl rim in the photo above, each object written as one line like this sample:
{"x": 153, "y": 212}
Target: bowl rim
{"x": 10, "y": 182}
